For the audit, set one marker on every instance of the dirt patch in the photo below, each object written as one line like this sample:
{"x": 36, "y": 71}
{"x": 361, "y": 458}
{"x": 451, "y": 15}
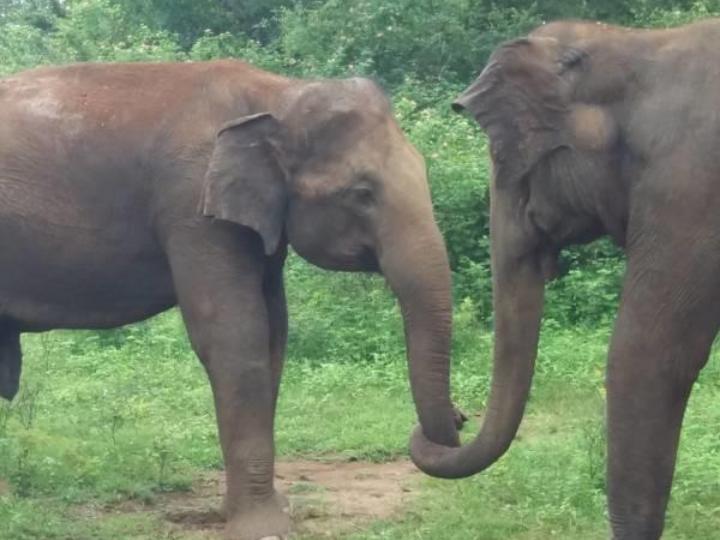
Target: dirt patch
{"x": 326, "y": 498}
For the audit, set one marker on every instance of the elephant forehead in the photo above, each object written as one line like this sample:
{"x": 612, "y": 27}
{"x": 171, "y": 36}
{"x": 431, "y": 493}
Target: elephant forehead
{"x": 329, "y": 165}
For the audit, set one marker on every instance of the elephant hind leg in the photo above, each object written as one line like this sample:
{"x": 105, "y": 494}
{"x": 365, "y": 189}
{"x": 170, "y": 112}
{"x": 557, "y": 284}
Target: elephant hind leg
{"x": 10, "y": 362}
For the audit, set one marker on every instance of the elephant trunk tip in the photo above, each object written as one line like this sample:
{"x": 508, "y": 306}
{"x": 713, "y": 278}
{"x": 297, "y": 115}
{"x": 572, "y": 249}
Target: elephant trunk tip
{"x": 431, "y": 458}
{"x": 454, "y": 462}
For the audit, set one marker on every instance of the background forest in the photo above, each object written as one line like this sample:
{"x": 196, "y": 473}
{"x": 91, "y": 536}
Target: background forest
{"x": 107, "y": 417}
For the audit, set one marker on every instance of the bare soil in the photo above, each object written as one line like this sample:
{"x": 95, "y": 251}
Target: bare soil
{"x": 327, "y": 498}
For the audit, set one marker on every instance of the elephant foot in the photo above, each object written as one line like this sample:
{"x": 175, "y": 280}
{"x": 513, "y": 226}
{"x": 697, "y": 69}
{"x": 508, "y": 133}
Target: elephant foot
{"x": 270, "y": 521}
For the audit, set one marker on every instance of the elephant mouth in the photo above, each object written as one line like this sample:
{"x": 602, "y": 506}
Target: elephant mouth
{"x": 362, "y": 260}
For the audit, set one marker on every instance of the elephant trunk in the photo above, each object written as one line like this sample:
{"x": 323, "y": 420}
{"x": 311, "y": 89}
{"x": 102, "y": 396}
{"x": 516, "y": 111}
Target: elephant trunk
{"x": 518, "y": 289}
{"x": 417, "y": 270}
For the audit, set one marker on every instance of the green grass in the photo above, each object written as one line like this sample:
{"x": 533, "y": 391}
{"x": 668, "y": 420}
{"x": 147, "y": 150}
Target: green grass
{"x": 126, "y": 415}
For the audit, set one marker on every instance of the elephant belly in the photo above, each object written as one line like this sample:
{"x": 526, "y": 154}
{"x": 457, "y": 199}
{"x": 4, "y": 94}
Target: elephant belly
{"x": 60, "y": 278}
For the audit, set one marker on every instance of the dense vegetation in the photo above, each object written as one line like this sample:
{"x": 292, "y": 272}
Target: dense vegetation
{"x": 127, "y": 413}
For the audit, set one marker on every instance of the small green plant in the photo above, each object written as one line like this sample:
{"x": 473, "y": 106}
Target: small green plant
{"x": 117, "y": 421}
{"x": 46, "y": 340}
{"x": 26, "y": 404}
{"x": 22, "y": 475}
{"x": 162, "y": 456}
{"x": 594, "y": 442}
{"x": 5, "y": 414}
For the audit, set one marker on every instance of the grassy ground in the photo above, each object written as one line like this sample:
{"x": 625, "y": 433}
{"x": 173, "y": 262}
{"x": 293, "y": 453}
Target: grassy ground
{"x": 128, "y": 415}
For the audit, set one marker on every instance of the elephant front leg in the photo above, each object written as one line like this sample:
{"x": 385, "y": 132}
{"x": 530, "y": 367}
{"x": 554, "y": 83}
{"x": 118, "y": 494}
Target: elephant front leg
{"x": 244, "y": 403}
{"x": 661, "y": 341}
{"x": 276, "y": 304}
{"x": 225, "y": 310}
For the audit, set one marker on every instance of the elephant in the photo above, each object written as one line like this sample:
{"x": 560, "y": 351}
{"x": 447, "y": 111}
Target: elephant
{"x": 597, "y": 130}
{"x": 129, "y": 188}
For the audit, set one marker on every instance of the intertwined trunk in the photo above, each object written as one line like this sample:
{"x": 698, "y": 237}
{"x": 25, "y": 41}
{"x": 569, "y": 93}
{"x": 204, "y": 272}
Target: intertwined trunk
{"x": 518, "y": 287}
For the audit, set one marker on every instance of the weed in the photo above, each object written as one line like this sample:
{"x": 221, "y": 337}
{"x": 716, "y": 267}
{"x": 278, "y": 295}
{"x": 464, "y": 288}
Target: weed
{"x": 26, "y": 404}
{"x": 594, "y": 441}
{"x": 5, "y": 414}
{"x": 22, "y": 476}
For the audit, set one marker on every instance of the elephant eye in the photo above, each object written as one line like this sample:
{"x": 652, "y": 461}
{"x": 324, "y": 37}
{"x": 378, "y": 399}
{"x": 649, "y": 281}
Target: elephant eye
{"x": 362, "y": 192}
{"x": 362, "y": 195}
{"x": 571, "y": 59}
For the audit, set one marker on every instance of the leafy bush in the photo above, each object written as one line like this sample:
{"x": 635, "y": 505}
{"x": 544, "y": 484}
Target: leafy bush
{"x": 227, "y": 45}
{"x": 100, "y": 30}
{"x": 21, "y": 46}
{"x": 428, "y": 39}
{"x": 650, "y": 14}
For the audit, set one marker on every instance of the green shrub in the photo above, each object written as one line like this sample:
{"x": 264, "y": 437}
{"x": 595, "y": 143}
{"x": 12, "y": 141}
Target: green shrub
{"x": 430, "y": 40}
{"x": 100, "y": 30}
{"x": 648, "y": 13}
{"x": 227, "y": 45}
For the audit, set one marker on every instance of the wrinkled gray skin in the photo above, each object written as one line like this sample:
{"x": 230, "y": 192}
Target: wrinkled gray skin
{"x": 597, "y": 130}
{"x": 128, "y": 188}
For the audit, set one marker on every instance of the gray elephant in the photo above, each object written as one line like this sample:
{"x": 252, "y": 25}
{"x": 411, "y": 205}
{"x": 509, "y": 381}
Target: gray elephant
{"x": 597, "y": 130}
{"x": 128, "y": 188}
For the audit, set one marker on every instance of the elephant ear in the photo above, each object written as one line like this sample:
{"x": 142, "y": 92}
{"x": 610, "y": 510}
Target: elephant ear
{"x": 245, "y": 182}
{"x": 521, "y": 101}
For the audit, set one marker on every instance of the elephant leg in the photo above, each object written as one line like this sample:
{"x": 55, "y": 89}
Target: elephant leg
{"x": 10, "y": 362}
{"x": 661, "y": 341}
{"x": 219, "y": 282}
{"x": 276, "y": 303}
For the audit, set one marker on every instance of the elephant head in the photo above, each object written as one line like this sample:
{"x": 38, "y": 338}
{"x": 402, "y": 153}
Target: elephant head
{"x": 327, "y": 167}
{"x": 549, "y": 104}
